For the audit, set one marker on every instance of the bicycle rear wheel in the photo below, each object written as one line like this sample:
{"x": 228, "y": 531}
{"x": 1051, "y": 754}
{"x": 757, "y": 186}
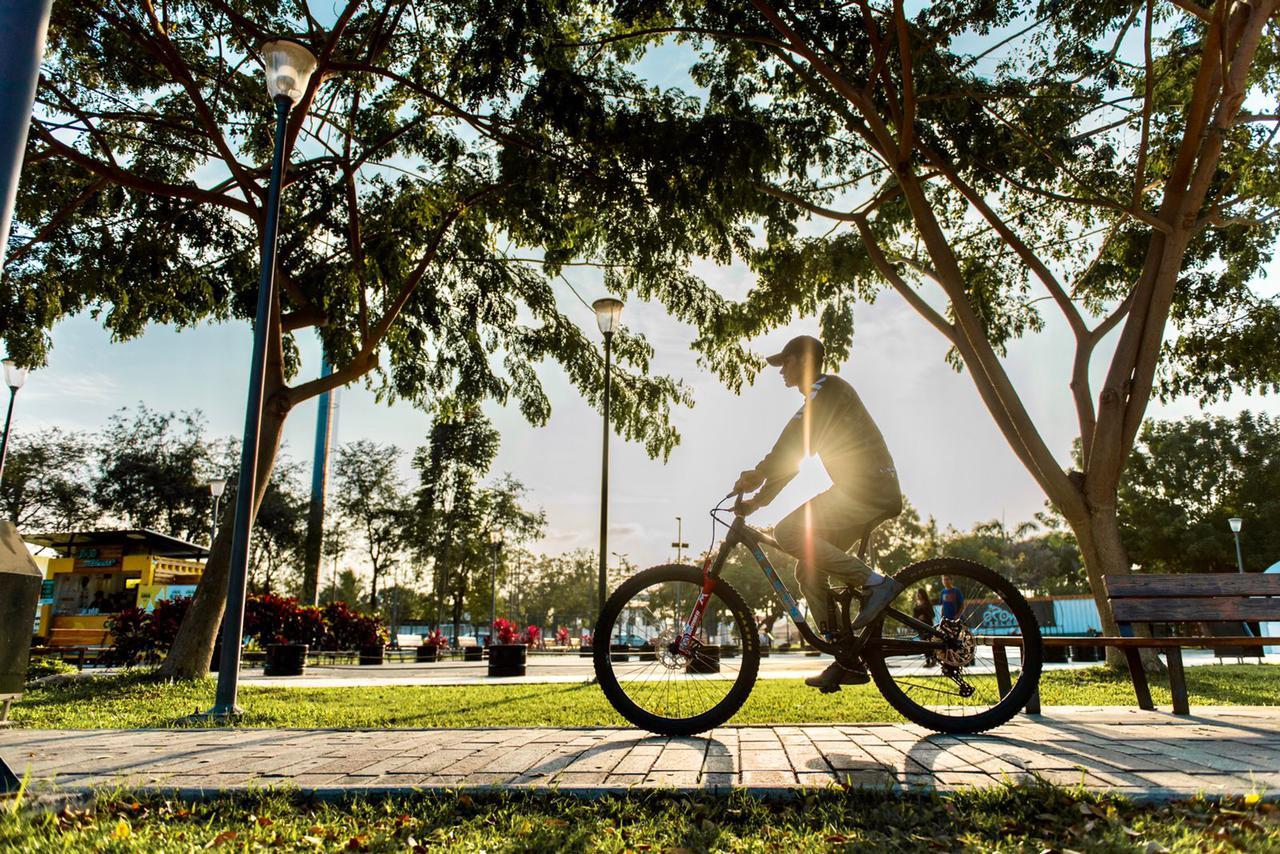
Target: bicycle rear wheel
{"x": 664, "y": 690}
{"x": 980, "y": 662}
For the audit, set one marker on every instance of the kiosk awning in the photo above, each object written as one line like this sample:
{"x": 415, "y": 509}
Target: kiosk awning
{"x": 135, "y": 541}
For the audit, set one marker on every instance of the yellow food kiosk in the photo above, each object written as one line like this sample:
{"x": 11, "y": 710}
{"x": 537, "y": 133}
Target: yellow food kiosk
{"x": 97, "y": 574}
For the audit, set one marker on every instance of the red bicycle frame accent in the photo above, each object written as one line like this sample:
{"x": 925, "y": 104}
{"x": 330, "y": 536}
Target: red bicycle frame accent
{"x": 699, "y": 607}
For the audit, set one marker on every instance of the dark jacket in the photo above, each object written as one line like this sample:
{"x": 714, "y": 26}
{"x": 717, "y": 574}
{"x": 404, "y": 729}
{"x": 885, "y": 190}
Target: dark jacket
{"x": 835, "y": 425}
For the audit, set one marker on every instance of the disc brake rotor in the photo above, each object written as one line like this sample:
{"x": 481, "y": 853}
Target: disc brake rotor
{"x": 664, "y": 649}
{"x": 959, "y": 646}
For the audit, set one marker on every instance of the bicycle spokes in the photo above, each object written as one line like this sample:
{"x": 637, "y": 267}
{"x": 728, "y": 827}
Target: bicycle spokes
{"x": 678, "y": 671}
{"x": 953, "y": 667}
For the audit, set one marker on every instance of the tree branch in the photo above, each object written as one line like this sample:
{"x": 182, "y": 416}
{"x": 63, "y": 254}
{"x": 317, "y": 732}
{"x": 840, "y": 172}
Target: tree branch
{"x": 132, "y": 180}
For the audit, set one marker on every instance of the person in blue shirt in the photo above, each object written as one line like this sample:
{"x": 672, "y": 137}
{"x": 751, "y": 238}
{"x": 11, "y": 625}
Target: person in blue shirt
{"x": 951, "y": 598}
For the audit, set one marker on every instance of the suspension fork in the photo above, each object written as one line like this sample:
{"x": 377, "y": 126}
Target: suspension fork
{"x": 710, "y": 573}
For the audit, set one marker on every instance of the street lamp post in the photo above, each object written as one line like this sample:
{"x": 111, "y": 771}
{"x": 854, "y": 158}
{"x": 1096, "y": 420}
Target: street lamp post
{"x": 607, "y": 310}
{"x": 289, "y": 65}
{"x": 14, "y": 377}
{"x": 1236, "y": 524}
{"x": 679, "y": 545}
{"x": 217, "y": 486}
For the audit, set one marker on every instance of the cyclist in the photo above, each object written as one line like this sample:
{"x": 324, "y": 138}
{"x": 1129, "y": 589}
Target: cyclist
{"x": 834, "y": 424}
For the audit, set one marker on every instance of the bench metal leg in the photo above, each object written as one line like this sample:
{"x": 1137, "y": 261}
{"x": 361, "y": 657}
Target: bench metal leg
{"x": 1177, "y": 680}
{"x": 1033, "y": 702}
{"x": 1002, "y": 669}
{"x": 1139, "y": 677}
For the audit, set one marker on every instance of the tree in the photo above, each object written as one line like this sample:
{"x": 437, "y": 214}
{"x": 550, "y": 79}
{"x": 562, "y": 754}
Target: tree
{"x": 983, "y": 160}
{"x": 497, "y": 509}
{"x": 560, "y": 589}
{"x": 154, "y": 470}
{"x": 459, "y": 450}
{"x": 446, "y": 160}
{"x": 1186, "y": 478}
{"x": 47, "y": 484}
{"x": 371, "y": 496}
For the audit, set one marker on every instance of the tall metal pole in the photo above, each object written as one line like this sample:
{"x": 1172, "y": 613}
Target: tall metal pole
{"x": 314, "y": 545}
{"x": 213, "y": 522}
{"x": 233, "y": 618}
{"x": 1236, "y": 534}
{"x": 493, "y": 588}
{"x": 8, "y": 420}
{"x": 604, "y": 476}
{"x": 23, "y": 25}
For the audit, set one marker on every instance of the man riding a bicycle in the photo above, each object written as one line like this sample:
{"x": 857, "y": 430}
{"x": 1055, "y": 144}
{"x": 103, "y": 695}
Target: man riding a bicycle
{"x": 834, "y": 424}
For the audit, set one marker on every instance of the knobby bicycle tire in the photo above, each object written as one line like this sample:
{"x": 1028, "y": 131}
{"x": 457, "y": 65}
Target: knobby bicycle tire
{"x": 1032, "y": 653}
{"x": 618, "y": 698}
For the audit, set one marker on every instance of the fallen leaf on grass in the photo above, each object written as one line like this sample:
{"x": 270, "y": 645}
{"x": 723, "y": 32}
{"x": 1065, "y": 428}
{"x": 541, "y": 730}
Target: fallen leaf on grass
{"x": 224, "y": 836}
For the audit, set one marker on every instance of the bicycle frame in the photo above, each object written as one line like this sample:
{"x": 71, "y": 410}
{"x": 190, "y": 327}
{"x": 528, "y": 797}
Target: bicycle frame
{"x": 841, "y": 646}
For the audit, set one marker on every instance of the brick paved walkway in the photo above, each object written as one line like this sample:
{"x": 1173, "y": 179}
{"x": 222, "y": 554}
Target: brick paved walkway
{"x": 1148, "y": 754}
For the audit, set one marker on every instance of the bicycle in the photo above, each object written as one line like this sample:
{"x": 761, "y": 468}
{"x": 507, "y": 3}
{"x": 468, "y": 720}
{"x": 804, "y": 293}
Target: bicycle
{"x": 943, "y": 676}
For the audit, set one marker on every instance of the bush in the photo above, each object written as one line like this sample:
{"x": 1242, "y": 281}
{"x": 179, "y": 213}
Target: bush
{"x": 348, "y": 629}
{"x": 530, "y": 635}
{"x": 506, "y": 630}
{"x": 164, "y": 619}
{"x": 131, "y": 631}
{"x": 437, "y": 639}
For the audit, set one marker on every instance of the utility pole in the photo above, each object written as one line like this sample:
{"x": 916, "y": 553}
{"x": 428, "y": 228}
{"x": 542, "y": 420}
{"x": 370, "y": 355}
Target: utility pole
{"x": 313, "y": 547}
{"x": 679, "y": 545}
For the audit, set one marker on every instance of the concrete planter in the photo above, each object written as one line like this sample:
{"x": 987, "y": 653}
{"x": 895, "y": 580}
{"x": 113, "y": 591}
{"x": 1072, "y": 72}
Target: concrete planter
{"x": 619, "y": 652}
{"x": 507, "y": 659}
{"x": 708, "y": 661}
{"x": 427, "y": 654}
{"x": 285, "y": 659}
{"x": 473, "y": 653}
{"x": 372, "y": 654}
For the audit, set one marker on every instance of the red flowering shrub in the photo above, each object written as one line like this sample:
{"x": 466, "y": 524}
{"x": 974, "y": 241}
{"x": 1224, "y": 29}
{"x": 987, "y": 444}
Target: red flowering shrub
{"x": 437, "y": 639}
{"x": 129, "y": 630}
{"x": 506, "y": 630}
{"x": 530, "y": 635}
{"x": 562, "y": 636}
{"x": 270, "y": 619}
{"x": 163, "y": 621}
{"x": 348, "y": 629}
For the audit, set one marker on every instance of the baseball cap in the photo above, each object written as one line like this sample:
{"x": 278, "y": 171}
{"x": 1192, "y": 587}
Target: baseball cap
{"x": 800, "y": 345}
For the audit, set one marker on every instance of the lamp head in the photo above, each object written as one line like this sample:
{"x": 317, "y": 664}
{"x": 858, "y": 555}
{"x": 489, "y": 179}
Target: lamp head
{"x": 217, "y": 486}
{"x": 289, "y": 65}
{"x": 495, "y": 537}
{"x": 14, "y": 376}
{"x": 608, "y": 310}
{"x": 1236, "y": 523}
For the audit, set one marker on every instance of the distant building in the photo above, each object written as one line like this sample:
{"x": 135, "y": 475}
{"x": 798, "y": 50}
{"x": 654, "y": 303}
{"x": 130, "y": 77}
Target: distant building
{"x": 97, "y": 574}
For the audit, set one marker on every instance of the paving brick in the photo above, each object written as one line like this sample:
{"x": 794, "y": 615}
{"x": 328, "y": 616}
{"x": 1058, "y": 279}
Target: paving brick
{"x": 1228, "y": 750}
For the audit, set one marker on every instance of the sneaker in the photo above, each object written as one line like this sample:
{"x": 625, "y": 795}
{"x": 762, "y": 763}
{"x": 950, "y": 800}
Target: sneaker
{"x": 836, "y": 675}
{"x": 881, "y": 595}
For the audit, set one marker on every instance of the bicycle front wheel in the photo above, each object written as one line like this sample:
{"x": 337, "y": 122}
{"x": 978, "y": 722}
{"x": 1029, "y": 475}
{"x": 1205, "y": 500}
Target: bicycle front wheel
{"x": 641, "y": 670}
{"x": 978, "y": 661}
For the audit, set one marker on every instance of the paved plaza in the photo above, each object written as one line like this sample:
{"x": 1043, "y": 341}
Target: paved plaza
{"x": 1216, "y": 751}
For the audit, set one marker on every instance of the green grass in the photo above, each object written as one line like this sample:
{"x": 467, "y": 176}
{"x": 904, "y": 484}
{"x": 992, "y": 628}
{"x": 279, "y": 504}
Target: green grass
{"x": 1027, "y": 818}
{"x": 135, "y": 700}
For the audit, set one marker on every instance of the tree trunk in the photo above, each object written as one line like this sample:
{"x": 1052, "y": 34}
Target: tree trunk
{"x": 1098, "y": 535}
{"x": 373, "y": 593}
{"x": 189, "y": 656}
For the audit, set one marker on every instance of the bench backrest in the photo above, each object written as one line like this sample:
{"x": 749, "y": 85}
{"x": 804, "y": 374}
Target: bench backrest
{"x": 1194, "y": 598}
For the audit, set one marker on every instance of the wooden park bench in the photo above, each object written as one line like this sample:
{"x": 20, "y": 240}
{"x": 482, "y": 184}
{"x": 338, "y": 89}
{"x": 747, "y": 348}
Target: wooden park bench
{"x": 1143, "y": 600}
